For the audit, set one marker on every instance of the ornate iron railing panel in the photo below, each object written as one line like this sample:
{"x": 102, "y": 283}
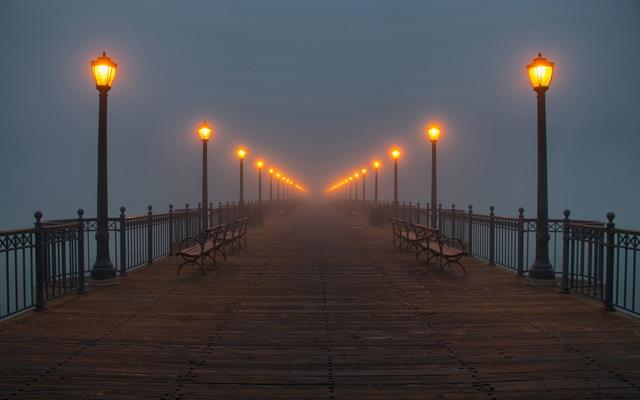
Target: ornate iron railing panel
{"x": 17, "y": 273}
{"x": 55, "y": 257}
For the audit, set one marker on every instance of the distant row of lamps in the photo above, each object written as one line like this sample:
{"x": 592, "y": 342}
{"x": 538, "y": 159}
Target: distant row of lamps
{"x": 104, "y": 71}
{"x": 540, "y": 72}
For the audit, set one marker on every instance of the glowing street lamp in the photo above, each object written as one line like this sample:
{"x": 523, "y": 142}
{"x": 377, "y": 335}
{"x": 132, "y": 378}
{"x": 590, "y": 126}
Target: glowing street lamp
{"x": 259, "y": 165}
{"x": 104, "y": 71}
{"x": 350, "y": 187}
{"x": 395, "y": 154}
{"x": 376, "y": 167}
{"x": 205, "y": 132}
{"x": 363, "y": 172}
{"x": 433, "y": 133}
{"x": 241, "y": 153}
{"x": 355, "y": 181}
{"x": 540, "y": 73}
{"x": 271, "y": 171}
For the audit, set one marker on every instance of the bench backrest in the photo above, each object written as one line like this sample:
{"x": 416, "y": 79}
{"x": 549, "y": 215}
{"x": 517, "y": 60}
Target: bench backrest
{"x": 427, "y": 233}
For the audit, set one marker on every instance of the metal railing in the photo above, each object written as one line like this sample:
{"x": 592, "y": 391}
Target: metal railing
{"x": 55, "y": 257}
{"x": 590, "y": 258}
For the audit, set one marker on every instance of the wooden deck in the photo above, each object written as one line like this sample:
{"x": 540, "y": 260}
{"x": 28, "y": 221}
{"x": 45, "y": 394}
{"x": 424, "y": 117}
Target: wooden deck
{"x": 319, "y": 306}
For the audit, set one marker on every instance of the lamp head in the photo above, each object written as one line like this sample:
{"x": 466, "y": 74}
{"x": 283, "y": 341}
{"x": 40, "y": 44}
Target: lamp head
{"x": 395, "y": 153}
{"x": 433, "y": 133}
{"x": 540, "y": 73}
{"x": 242, "y": 153}
{"x": 104, "y": 71}
{"x": 205, "y": 131}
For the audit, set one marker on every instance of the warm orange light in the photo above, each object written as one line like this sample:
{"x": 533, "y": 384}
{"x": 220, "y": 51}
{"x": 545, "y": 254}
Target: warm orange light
{"x": 278, "y": 175}
{"x": 242, "y": 153}
{"x": 364, "y": 171}
{"x": 270, "y": 171}
{"x": 433, "y": 133}
{"x": 395, "y": 153}
{"x": 104, "y": 71}
{"x": 540, "y": 73}
{"x": 376, "y": 164}
{"x": 259, "y": 164}
{"x": 356, "y": 175}
{"x": 205, "y": 131}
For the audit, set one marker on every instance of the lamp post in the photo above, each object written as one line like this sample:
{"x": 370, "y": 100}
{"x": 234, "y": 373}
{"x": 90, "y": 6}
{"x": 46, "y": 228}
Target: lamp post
{"x": 204, "y": 132}
{"x": 284, "y": 187}
{"x": 355, "y": 181}
{"x": 350, "y": 188}
{"x": 271, "y": 184}
{"x": 259, "y": 164}
{"x": 363, "y": 172}
{"x": 433, "y": 133}
{"x": 540, "y": 74}
{"x": 241, "y": 153}
{"x": 395, "y": 154}
{"x": 104, "y": 72}
{"x": 376, "y": 167}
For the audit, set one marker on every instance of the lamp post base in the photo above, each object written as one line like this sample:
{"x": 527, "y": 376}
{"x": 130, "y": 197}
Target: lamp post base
{"x": 541, "y": 271}
{"x": 103, "y": 270}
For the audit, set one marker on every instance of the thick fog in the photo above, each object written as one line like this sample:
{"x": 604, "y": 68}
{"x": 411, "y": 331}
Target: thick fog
{"x": 318, "y": 89}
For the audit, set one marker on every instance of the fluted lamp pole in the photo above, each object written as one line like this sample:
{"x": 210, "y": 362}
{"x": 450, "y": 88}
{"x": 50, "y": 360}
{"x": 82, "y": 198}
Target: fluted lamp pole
{"x": 433, "y": 134}
{"x": 540, "y": 74}
{"x": 259, "y": 165}
{"x": 241, "y": 153}
{"x": 205, "y": 132}
{"x": 395, "y": 154}
{"x": 364, "y": 191}
{"x": 104, "y": 72}
{"x": 271, "y": 171}
{"x": 376, "y": 167}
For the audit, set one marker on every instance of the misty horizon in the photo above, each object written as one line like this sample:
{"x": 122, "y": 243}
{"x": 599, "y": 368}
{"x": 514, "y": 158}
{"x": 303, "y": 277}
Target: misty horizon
{"x": 319, "y": 90}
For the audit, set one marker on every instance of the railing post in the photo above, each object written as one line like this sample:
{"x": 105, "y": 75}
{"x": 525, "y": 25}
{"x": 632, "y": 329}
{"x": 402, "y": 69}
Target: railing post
{"x": 492, "y": 237}
{"x": 470, "y": 231}
{"x": 171, "y": 227}
{"x": 520, "y": 248}
{"x": 566, "y": 235}
{"x": 439, "y": 217}
{"x": 201, "y": 223}
{"x": 187, "y": 219}
{"x": 410, "y": 212}
{"x": 40, "y": 273}
{"x": 418, "y": 213}
{"x": 123, "y": 241}
{"x": 81, "y": 288}
{"x": 453, "y": 220}
{"x": 427, "y": 220}
{"x": 228, "y": 212}
{"x": 219, "y": 213}
{"x": 210, "y": 214}
{"x": 608, "y": 288}
{"x": 150, "y": 236}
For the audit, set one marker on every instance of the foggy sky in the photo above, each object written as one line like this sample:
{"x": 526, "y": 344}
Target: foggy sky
{"x": 319, "y": 88}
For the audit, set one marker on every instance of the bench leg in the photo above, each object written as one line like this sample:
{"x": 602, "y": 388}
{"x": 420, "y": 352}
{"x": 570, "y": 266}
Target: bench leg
{"x": 451, "y": 262}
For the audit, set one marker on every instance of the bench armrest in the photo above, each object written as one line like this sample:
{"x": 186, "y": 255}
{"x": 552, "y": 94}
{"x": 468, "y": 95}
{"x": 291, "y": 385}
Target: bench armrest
{"x": 455, "y": 243}
{"x": 189, "y": 242}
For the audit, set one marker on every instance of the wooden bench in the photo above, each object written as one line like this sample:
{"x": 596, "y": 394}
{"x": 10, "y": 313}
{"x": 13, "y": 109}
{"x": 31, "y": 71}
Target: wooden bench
{"x": 436, "y": 244}
{"x": 194, "y": 250}
{"x": 403, "y": 233}
{"x": 236, "y": 234}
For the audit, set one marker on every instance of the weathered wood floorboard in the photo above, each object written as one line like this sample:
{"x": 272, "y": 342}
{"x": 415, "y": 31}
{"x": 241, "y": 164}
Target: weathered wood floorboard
{"x": 320, "y": 306}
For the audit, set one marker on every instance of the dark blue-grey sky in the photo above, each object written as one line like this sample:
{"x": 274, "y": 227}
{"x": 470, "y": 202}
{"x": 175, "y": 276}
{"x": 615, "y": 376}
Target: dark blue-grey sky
{"x": 320, "y": 88}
